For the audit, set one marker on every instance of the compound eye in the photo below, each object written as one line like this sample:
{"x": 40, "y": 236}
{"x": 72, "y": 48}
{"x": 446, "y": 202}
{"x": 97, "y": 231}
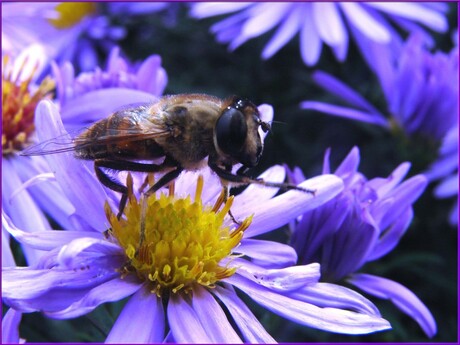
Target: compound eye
{"x": 231, "y": 130}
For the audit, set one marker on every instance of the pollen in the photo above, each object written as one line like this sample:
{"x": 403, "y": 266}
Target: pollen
{"x": 18, "y": 106}
{"x": 176, "y": 243}
{"x": 72, "y": 13}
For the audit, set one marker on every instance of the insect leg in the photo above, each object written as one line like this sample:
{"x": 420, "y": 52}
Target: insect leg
{"x": 228, "y": 176}
{"x": 164, "y": 180}
{"x": 123, "y": 166}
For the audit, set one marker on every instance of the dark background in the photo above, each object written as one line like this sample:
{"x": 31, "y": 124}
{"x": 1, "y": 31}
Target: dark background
{"x": 425, "y": 261}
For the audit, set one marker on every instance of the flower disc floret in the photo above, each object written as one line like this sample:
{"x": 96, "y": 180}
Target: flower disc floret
{"x": 175, "y": 243}
{"x": 18, "y": 106}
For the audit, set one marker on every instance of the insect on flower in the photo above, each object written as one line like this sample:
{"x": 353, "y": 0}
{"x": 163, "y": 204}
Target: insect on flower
{"x": 184, "y": 129}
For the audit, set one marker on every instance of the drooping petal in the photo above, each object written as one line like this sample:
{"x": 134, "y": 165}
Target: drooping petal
{"x": 364, "y": 22}
{"x": 208, "y": 9}
{"x": 213, "y": 318}
{"x": 184, "y": 323}
{"x": 328, "y": 319}
{"x": 141, "y": 321}
{"x": 401, "y": 296}
{"x": 310, "y": 42}
{"x": 249, "y": 325}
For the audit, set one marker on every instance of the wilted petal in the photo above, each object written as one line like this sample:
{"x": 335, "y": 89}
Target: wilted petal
{"x": 328, "y": 319}
{"x": 141, "y": 320}
{"x": 213, "y": 318}
{"x": 402, "y": 297}
{"x": 249, "y": 325}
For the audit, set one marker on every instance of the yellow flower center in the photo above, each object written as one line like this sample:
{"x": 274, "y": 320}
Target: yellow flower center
{"x": 184, "y": 241}
{"x": 71, "y": 13}
{"x": 18, "y": 107}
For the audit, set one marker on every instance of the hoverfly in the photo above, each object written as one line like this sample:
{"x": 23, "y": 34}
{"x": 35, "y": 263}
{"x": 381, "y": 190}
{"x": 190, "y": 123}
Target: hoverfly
{"x": 184, "y": 129}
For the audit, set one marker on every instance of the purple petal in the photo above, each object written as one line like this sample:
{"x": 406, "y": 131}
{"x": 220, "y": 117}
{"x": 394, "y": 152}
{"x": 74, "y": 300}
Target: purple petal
{"x": 390, "y": 238}
{"x": 364, "y": 22}
{"x": 151, "y": 77}
{"x": 328, "y": 319}
{"x": 73, "y": 176}
{"x": 213, "y": 318}
{"x": 268, "y": 253}
{"x": 252, "y": 330}
{"x": 282, "y": 209}
{"x": 415, "y": 12}
{"x": 326, "y": 295}
{"x": 348, "y": 113}
{"x": 141, "y": 320}
{"x": 448, "y": 187}
{"x": 401, "y": 297}
{"x": 290, "y": 26}
{"x": 7, "y": 254}
{"x": 349, "y": 165}
{"x": 46, "y": 239}
{"x": 255, "y": 194}
{"x": 330, "y": 26}
{"x": 310, "y": 43}
{"x": 10, "y": 327}
{"x": 264, "y": 17}
{"x": 209, "y": 9}
{"x": 184, "y": 323}
{"x": 284, "y": 279}
{"x": 111, "y": 291}
{"x": 344, "y": 92}
{"x": 98, "y": 104}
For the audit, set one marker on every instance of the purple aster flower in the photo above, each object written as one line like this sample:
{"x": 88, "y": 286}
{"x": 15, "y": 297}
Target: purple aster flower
{"x": 68, "y": 31}
{"x": 319, "y": 23}
{"x": 191, "y": 256}
{"x": 421, "y": 90}
{"x": 362, "y": 224}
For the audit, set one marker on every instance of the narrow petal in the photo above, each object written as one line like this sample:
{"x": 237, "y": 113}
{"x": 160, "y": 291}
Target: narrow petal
{"x": 364, "y": 22}
{"x": 213, "y": 318}
{"x": 256, "y": 194}
{"x": 73, "y": 176}
{"x": 141, "y": 321}
{"x": 252, "y": 330}
{"x": 283, "y": 279}
{"x": 151, "y": 77}
{"x": 310, "y": 42}
{"x": 328, "y": 319}
{"x": 47, "y": 239}
{"x": 10, "y": 327}
{"x": 415, "y": 12}
{"x": 330, "y": 26}
{"x": 345, "y": 112}
{"x": 268, "y": 253}
{"x": 209, "y": 9}
{"x": 111, "y": 291}
{"x": 264, "y": 17}
{"x": 326, "y": 295}
{"x": 282, "y": 209}
{"x": 184, "y": 323}
{"x": 400, "y": 296}
{"x": 7, "y": 254}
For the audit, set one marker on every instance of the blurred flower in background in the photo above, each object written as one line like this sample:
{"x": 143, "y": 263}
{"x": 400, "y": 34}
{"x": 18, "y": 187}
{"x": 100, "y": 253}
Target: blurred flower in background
{"x": 319, "y": 23}
{"x": 421, "y": 92}
{"x": 69, "y": 31}
{"x": 362, "y": 224}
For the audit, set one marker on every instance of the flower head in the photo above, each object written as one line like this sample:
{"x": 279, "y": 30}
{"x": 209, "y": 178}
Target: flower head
{"x": 183, "y": 248}
{"x": 318, "y": 23}
{"x": 362, "y": 224}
